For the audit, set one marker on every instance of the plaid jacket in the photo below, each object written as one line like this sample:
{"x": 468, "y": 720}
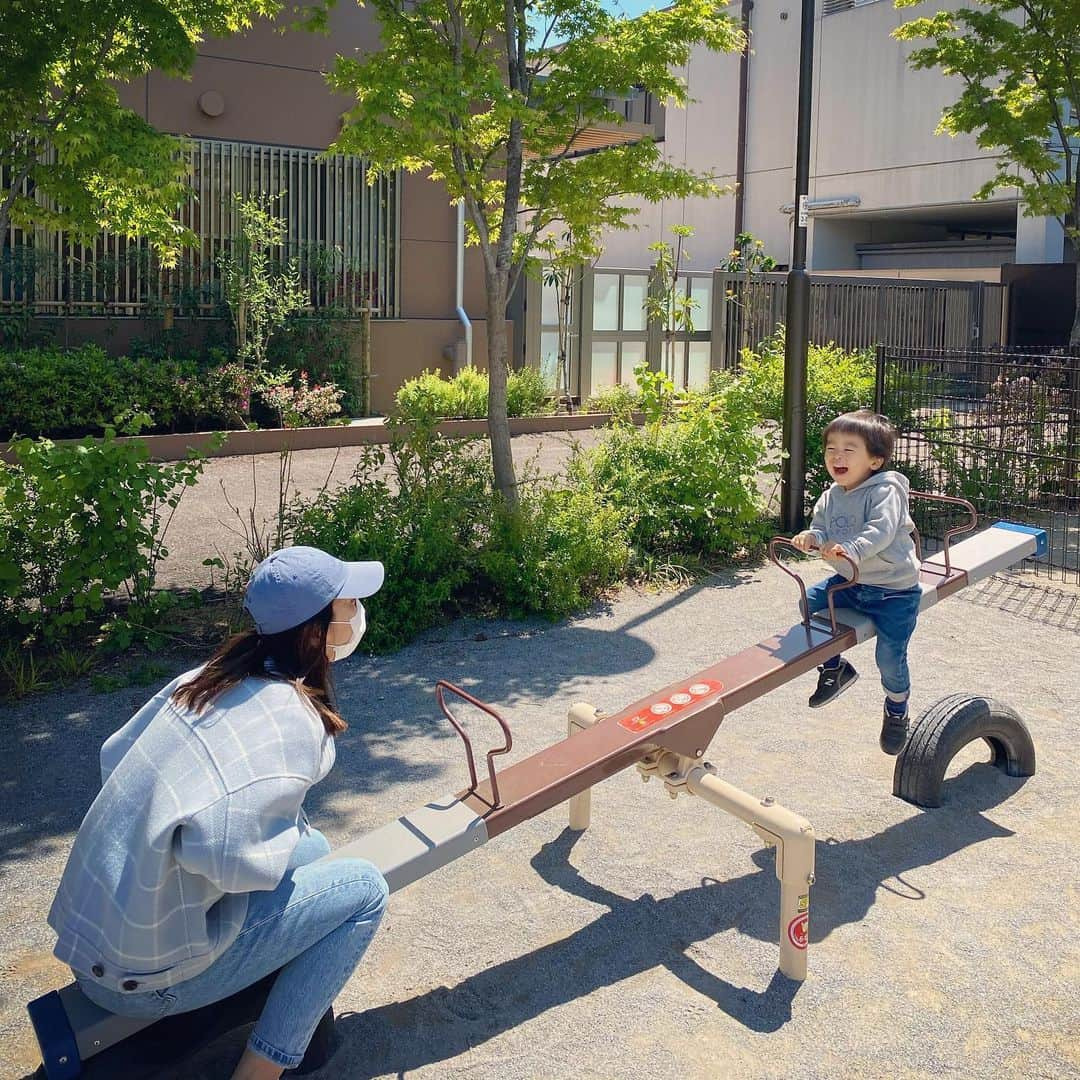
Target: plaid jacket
{"x": 195, "y": 812}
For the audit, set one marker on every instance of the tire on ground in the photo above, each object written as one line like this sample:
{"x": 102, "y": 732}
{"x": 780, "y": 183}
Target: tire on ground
{"x": 944, "y": 729}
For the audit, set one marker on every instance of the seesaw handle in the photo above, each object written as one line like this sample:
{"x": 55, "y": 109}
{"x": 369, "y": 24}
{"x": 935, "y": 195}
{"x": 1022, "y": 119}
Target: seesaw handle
{"x": 440, "y": 688}
{"x": 957, "y": 531}
{"x": 832, "y": 590}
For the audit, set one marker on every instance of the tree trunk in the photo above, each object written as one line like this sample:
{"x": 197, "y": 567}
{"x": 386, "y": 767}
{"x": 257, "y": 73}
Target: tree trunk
{"x": 502, "y": 457}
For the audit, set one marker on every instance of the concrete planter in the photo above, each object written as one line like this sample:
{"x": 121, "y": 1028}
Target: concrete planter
{"x": 274, "y": 440}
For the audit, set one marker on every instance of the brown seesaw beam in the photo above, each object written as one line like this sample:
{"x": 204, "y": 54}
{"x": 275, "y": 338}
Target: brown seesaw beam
{"x": 666, "y": 735}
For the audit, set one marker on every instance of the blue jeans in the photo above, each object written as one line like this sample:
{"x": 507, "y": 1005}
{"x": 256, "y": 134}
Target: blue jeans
{"x": 894, "y": 612}
{"x": 315, "y": 926}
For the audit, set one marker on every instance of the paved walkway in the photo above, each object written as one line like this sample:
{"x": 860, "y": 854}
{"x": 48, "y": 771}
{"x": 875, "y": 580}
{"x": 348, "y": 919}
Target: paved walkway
{"x": 205, "y": 525}
{"x": 943, "y": 943}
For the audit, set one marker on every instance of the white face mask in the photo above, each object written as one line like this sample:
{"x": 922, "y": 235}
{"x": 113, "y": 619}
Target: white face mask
{"x": 358, "y": 623}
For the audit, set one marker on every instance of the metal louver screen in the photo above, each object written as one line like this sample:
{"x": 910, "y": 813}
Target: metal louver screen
{"x": 343, "y": 232}
{"x": 831, "y": 7}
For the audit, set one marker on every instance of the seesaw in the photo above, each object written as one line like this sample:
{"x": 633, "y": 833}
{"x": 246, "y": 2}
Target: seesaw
{"x": 665, "y": 735}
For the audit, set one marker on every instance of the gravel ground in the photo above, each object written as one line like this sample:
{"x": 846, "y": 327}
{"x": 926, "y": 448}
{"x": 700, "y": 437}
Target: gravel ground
{"x": 943, "y": 943}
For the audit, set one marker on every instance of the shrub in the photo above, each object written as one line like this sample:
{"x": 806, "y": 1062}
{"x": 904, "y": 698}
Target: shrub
{"x": 78, "y": 522}
{"x": 836, "y": 382}
{"x": 300, "y": 405}
{"x": 620, "y": 401}
{"x": 58, "y": 392}
{"x": 559, "y": 549}
{"x": 422, "y": 506}
{"x": 686, "y": 487}
{"x": 430, "y": 397}
{"x": 527, "y": 394}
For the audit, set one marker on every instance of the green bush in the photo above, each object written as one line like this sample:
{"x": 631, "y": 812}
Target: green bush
{"x": 431, "y": 397}
{"x": 687, "y": 487}
{"x": 426, "y": 507}
{"x": 79, "y": 522}
{"x": 836, "y": 382}
{"x": 422, "y": 506}
{"x": 559, "y": 549}
{"x": 57, "y": 392}
{"x": 620, "y": 401}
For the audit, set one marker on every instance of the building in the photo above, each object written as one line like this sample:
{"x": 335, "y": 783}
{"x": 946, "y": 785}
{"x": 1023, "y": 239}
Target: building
{"x": 887, "y": 194}
{"x": 258, "y": 111}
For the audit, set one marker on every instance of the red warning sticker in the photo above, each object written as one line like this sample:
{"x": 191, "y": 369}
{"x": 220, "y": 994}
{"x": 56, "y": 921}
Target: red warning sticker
{"x": 669, "y": 706}
{"x": 798, "y": 930}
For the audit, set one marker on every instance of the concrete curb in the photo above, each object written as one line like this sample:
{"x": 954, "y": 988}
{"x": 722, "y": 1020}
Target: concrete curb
{"x": 274, "y": 440}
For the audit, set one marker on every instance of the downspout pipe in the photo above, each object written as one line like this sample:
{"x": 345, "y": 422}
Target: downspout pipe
{"x": 744, "y": 102}
{"x": 460, "y": 298}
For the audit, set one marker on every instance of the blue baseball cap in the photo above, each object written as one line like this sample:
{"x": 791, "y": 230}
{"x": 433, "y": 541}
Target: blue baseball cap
{"x": 294, "y": 584}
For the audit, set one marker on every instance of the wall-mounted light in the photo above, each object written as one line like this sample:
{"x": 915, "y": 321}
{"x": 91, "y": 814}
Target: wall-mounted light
{"x": 211, "y": 103}
{"x": 832, "y": 202}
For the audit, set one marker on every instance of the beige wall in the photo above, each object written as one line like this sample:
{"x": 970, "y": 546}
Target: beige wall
{"x": 874, "y": 124}
{"x": 701, "y": 137}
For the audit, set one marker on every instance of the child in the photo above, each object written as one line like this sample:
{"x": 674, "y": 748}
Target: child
{"x": 864, "y": 515}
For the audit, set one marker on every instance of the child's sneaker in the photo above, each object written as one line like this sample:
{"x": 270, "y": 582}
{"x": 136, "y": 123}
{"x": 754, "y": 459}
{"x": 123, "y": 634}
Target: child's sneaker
{"x": 894, "y": 731}
{"x": 832, "y": 682}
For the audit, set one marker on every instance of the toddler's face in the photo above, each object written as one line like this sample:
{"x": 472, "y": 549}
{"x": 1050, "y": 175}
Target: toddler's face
{"x": 849, "y": 460}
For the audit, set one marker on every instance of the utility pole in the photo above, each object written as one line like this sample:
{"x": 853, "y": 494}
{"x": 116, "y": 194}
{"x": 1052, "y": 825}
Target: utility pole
{"x": 793, "y": 477}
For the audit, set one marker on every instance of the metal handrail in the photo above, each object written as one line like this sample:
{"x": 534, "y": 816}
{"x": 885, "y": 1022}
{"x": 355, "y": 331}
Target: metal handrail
{"x": 830, "y": 592}
{"x": 441, "y": 686}
{"x": 950, "y": 533}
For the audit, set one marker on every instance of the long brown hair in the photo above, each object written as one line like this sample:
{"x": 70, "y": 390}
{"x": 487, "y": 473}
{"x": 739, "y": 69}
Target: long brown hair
{"x": 297, "y": 655}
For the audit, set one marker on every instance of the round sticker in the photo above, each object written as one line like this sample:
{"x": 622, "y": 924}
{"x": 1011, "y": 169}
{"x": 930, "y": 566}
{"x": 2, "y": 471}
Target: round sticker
{"x": 661, "y": 708}
{"x": 700, "y": 689}
{"x": 798, "y": 930}
{"x": 681, "y": 699}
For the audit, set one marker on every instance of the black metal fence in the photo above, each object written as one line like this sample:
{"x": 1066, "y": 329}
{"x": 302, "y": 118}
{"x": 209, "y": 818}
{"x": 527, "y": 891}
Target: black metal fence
{"x": 859, "y": 313}
{"x": 996, "y": 427}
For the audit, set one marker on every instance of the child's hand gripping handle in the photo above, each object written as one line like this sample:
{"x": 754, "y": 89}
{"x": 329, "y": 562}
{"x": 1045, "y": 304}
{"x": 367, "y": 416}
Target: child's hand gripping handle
{"x": 795, "y": 543}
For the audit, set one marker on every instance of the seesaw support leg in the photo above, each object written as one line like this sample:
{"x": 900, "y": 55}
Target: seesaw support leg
{"x": 790, "y": 834}
{"x": 581, "y": 717}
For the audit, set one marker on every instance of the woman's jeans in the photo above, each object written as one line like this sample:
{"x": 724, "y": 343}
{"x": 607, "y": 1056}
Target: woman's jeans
{"x": 315, "y": 926}
{"x": 894, "y": 612}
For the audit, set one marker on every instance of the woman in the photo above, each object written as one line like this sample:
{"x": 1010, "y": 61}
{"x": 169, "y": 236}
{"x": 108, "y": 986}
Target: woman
{"x": 193, "y": 874}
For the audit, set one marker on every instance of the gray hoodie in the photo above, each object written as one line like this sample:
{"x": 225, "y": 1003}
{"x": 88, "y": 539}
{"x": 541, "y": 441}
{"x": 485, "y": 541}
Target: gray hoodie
{"x": 872, "y": 524}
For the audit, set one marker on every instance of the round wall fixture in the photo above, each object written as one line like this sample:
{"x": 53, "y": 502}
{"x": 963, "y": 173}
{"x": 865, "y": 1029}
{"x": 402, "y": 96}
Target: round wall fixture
{"x": 211, "y": 103}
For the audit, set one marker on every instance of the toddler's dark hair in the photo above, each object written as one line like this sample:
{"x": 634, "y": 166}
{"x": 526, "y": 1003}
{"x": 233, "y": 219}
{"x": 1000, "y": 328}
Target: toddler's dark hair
{"x": 875, "y": 430}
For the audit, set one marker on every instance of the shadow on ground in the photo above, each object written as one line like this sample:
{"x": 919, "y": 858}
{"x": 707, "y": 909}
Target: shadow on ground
{"x": 443, "y": 1023}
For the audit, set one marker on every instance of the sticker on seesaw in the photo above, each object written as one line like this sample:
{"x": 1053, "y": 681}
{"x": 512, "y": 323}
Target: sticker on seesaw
{"x": 678, "y": 701}
{"x": 798, "y": 930}
{"x": 804, "y": 902}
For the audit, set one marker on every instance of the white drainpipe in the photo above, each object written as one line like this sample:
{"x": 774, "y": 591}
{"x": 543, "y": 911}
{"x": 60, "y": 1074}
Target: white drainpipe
{"x": 460, "y": 309}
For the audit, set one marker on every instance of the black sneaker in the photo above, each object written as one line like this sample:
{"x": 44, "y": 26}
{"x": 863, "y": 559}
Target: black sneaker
{"x": 894, "y": 732}
{"x": 832, "y": 682}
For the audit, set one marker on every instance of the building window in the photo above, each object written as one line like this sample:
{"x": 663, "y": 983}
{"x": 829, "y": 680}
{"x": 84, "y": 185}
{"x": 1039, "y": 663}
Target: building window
{"x": 343, "y": 232}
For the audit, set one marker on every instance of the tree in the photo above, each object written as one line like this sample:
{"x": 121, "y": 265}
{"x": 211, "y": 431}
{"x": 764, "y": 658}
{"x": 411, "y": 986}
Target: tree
{"x": 560, "y": 262}
{"x": 261, "y": 292}
{"x": 1020, "y": 68}
{"x": 668, "y": 302}
{"x": 474, "y": 92}
{"x": 71, "y": 157}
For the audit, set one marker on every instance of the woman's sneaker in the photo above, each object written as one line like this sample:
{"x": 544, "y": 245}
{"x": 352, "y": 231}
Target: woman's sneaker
{"x": 832, "y": 682}
{"x": 894, "y": 732}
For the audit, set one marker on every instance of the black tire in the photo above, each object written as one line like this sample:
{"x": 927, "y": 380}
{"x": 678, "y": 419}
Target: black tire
{"x": 944, "y": 729}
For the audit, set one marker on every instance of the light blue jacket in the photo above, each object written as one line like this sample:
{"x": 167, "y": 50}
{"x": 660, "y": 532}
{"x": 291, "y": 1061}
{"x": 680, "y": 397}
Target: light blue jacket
{"x": 194, "y": 813}
{"x": 873, "y": 525}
